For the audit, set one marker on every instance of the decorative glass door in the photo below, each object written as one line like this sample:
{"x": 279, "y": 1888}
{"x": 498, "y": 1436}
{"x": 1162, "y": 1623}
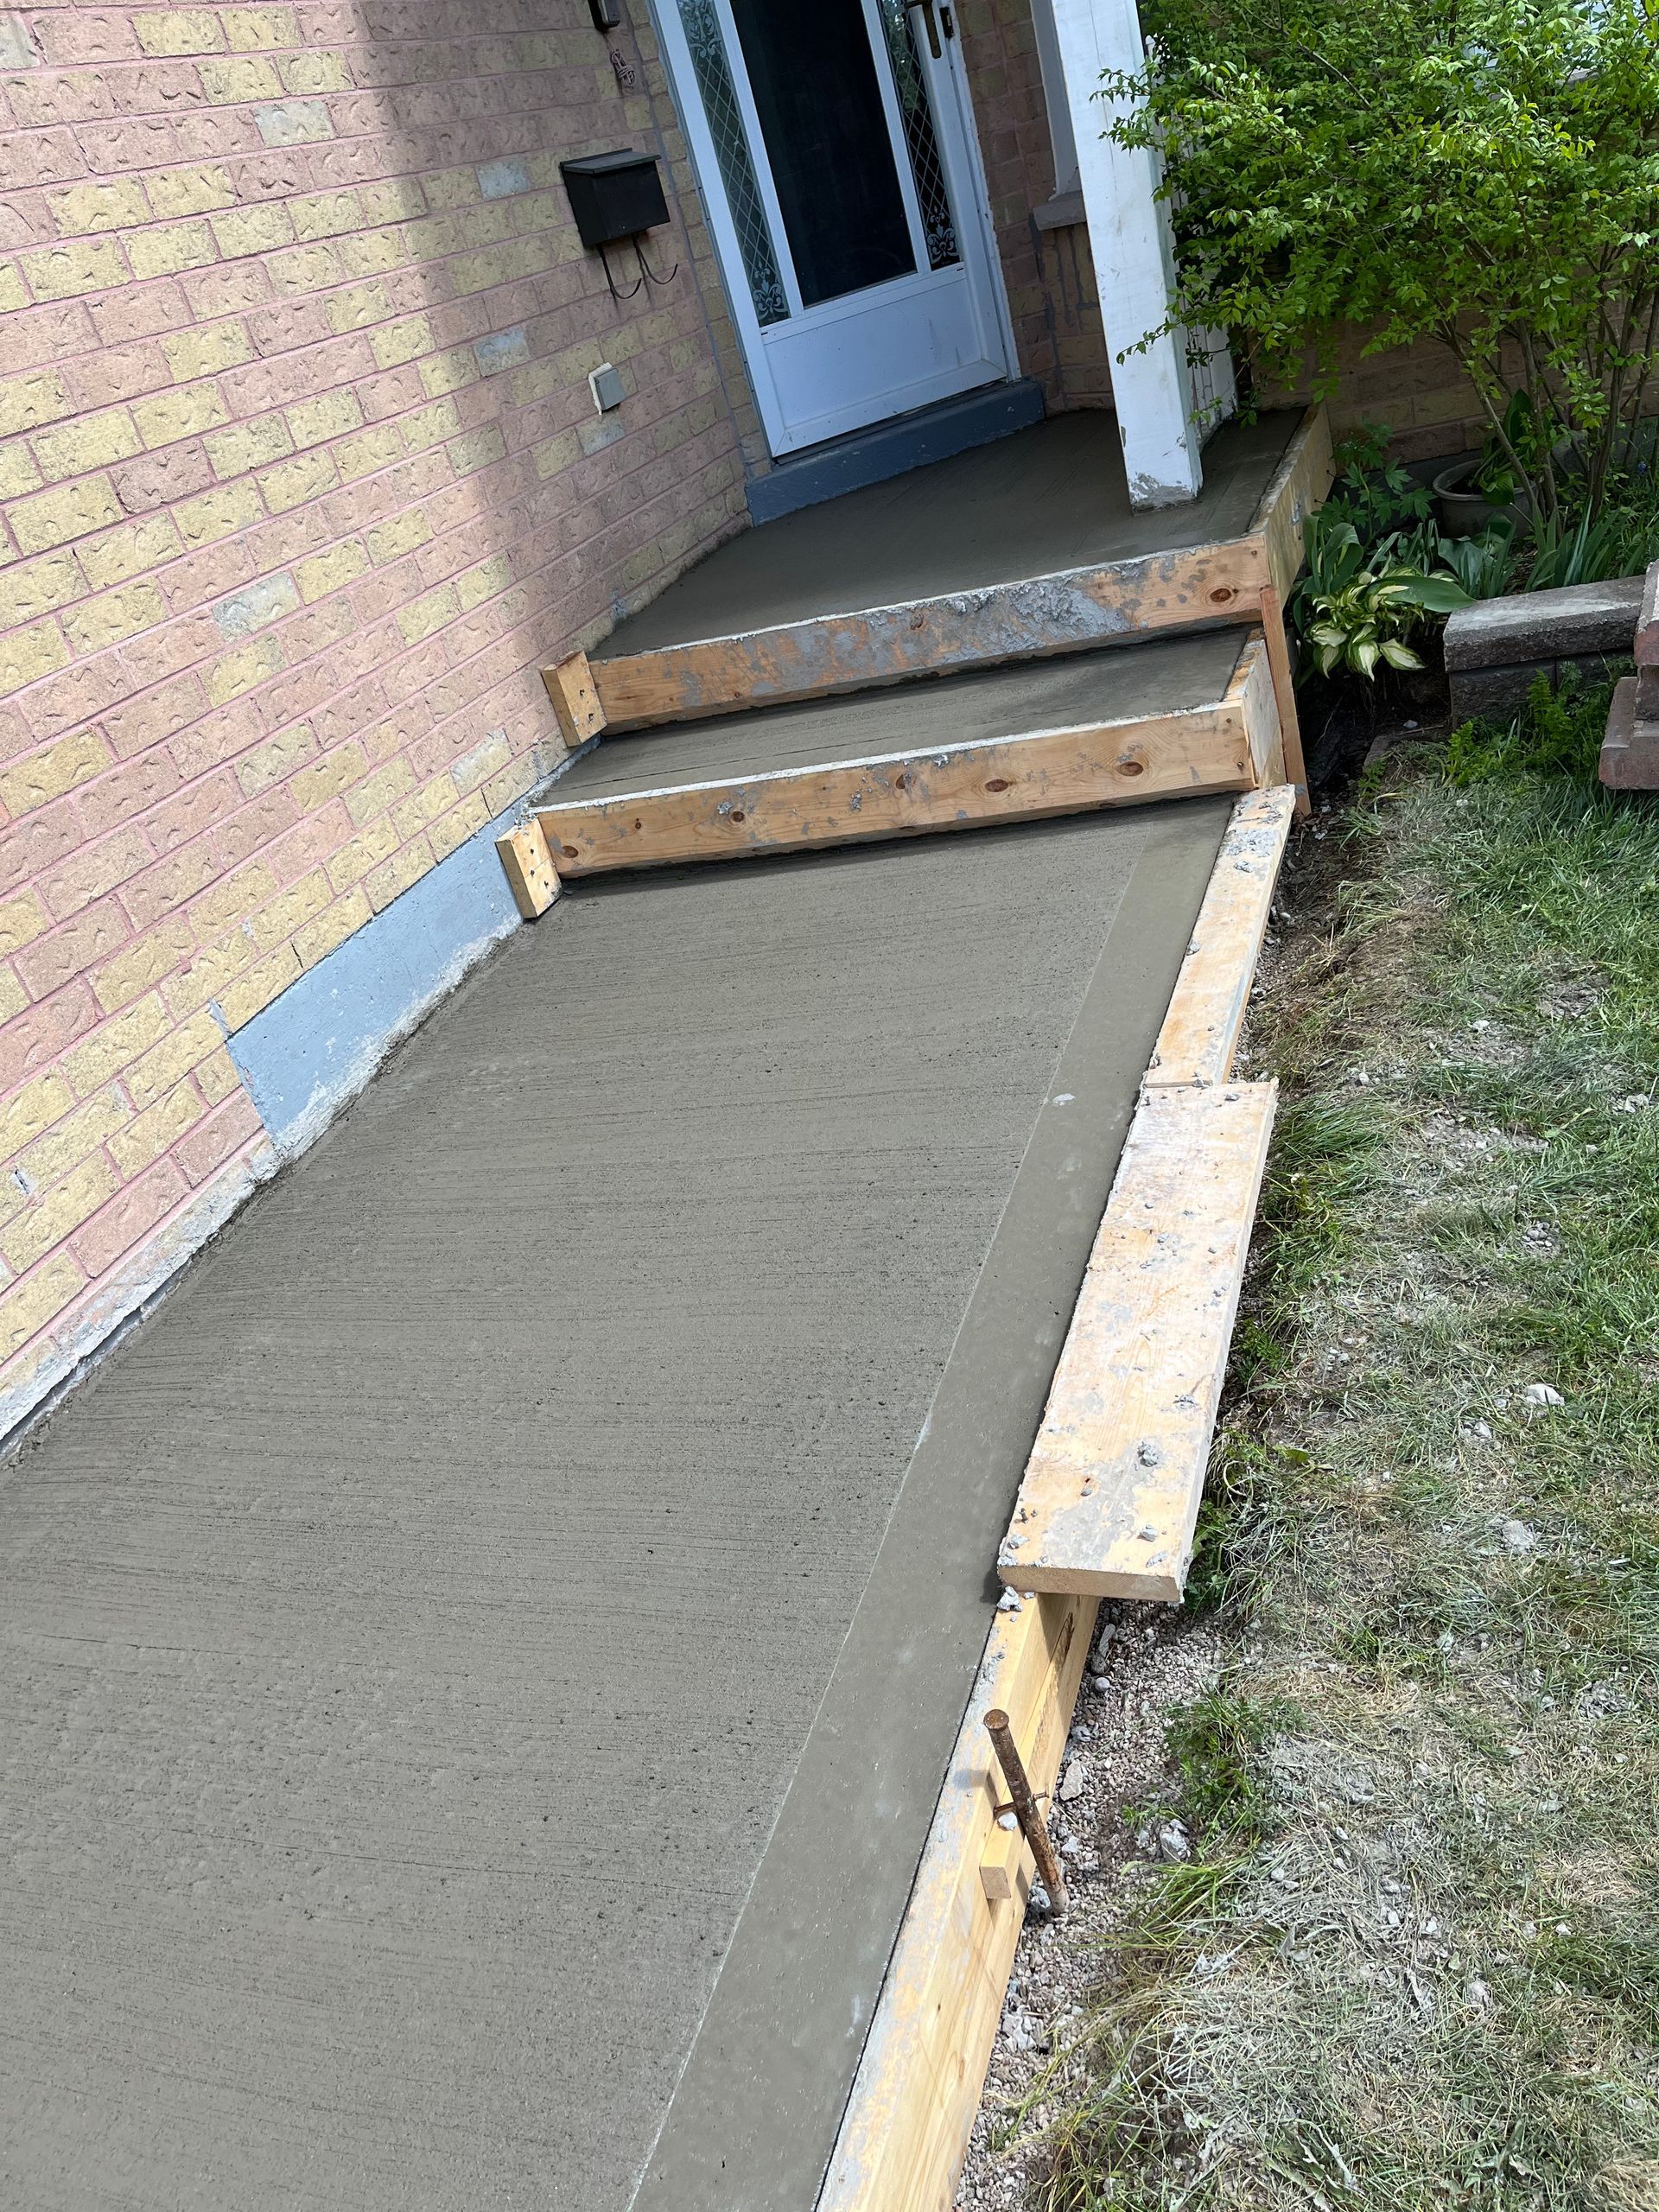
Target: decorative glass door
{"x": 832, "y": 145}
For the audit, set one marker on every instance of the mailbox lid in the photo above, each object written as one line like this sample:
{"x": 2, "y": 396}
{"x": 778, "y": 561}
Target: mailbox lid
{"x": 615, "y": 195}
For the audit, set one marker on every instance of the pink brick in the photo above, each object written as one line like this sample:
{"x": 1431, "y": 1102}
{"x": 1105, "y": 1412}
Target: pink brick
{"x": 39, "y": 157}
{"x": 93, "y": 870}
{"x": 130, "y": 1214}
{"x": 210, "y": 1142}
{"x": 126, "y": 793}
{"x": 191, "y": 811}
{"x": 33, "y": 845}
{"x": 47, "y": 334}
{"x": 140, "y": 311}
{"x": 158, "y": 480}
{"x": 70, "y": 34}
{"x": 251, "y": 830}
{"x": 139, "y": 723}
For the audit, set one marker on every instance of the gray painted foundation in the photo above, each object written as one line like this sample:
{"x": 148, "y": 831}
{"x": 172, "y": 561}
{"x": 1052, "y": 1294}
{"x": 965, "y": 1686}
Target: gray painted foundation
{"x": 427, "y": 1635}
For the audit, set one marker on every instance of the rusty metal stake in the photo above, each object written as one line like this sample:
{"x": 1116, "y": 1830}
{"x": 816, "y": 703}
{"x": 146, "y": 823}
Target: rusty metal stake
{"x": 1033, "y": 1825}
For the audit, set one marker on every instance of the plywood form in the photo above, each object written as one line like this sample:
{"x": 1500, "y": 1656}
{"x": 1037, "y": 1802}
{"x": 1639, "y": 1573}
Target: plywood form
{"x": 1222, "y": 747}
{"x": 1201, "y": 1030}
{"x": 1022, "y": 618}
{"x": 1110, "y": 1496}
{"x": 902, "y": 2142}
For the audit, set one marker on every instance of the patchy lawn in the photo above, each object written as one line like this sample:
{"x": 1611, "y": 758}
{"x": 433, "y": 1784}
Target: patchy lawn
{"x": 1384, "y": 1927}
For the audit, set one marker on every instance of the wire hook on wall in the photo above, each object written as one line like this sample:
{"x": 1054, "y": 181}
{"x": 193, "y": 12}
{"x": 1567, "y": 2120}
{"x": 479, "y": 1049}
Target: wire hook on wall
{"x": 647, "y": 274}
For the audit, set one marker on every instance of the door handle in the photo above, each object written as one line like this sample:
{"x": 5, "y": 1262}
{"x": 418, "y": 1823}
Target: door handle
{"x": 933, "y": 23}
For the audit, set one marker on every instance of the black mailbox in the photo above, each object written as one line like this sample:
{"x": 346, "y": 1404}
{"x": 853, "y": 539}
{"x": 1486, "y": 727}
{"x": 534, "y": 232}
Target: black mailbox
{"x": 615, "y": 195}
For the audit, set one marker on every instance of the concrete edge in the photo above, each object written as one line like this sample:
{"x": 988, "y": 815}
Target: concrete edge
{"x": 890, "y": 449}
{"x": 302, "y": 1060}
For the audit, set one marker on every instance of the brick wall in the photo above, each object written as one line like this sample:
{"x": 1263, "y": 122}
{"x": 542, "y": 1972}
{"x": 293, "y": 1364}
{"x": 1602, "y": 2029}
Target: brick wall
{"x": 300, "y": 481}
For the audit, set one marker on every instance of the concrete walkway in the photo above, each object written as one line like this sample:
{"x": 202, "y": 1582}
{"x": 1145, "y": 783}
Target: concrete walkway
{"x": 426, "y": 1656}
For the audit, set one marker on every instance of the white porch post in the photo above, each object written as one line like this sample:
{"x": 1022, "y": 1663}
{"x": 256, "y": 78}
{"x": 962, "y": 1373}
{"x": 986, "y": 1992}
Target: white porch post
{"x": 1133, "y": 250}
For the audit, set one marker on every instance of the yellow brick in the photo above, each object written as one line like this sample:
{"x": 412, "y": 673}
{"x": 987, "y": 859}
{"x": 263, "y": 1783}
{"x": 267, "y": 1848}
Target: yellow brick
{"x": 231, "y": 900}
{"x": 58, "y": 1213}
{"x": 226, "y": 82}
{"x": 311, "y": 421}
{"x": 402, "y": 341}
{"x": 98, "y": 1058}
{"x": 367, "y": 850}
{"x": 194, "y": 190}
{"x": 394, "y": 876}
{"x": 58, "y": 769}
{"x": 208, "y": 974}
{"x": 430, "y": 425}
{"x": 27, "y": 1307}
{"x": 30, "y": 1111}
{"x": 78, "y": 208}
{"x": 151, "y": 1076}
{"x": 179, "y": 30}
{"x": 253, "y": 230}
{"x": 369, "y": 450}
{"x": 434, "y": 798}
{"x": 382, "y": 790}
{"x": 390, "y": 540}
{"x": 280, "y": 921}
{"x": 429, "y": 612}
{"x": 199, "y": 353}
{"x": 90, "y": 441}
{"x": 316, "y": 71}
{"x": 248, "y": 445}
{"x": 114, "y": 615}
{"x": 27, "y": 403}
{"x": 484, "y": 581}
{"x": 356, "y": 306}
{"x": 127, "y": 552}
{"x": 141, "y": 965}
{"x": 293, "y": 482}
{"x": 18, "y": 473}
{"x": 216, "y": 1078}
{"x": 164, "y": 252}
{"x": 502, "y": 791}
{"x": 13, "y": 997}
{"x": 304, "y": 269}
{"x": 251, "y": 994}
{"x": 77, "y": 1137}
{"x": 60, "y": 272}
{"x": 13, "y": 294}
{"x": 35, "y": 588}
{"x": 331, "y": 571}
{"x": 213, "y": 515}
{"x": 373, "y": 253}
{"x": 332, "y": 927}
{"x": 21, "y": 920}
{"x": 159, "y": 1126}
{"x": 555, "y": 456}
{"x": 327, "y": 214}
{"x": 253, "y": 30}
{"x": 336, "y": 771}
{"x": 453, "y": 828}
{"x": 448, "y": 371}
{"x": 54, "y": 518}
{"x": 27, "y": 655}
{"x": 235, "y": 673}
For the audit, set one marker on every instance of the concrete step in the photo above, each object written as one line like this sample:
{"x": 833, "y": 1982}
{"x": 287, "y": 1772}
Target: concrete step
{"x": 1171, "y": 717}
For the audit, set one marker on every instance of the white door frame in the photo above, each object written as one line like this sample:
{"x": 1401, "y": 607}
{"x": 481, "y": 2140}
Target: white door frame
{"x": 960, "y": 154}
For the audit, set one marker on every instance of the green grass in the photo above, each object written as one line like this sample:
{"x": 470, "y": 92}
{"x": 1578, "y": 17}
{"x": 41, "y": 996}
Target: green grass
{"x": 1413, "y": 1959}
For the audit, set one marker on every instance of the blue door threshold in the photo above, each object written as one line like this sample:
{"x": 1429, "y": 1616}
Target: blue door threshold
{"x": 889, "y": 449}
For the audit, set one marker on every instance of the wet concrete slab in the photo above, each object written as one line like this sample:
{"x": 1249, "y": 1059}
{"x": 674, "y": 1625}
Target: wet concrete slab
{"x": 1119, "y": 683}
{"x": 1049, "y": 498}
{"x": 427, "y": 1639}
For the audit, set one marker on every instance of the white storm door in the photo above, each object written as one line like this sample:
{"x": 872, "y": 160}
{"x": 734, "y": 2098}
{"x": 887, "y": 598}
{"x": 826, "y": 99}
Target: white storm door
{"x": 833, "y": 149}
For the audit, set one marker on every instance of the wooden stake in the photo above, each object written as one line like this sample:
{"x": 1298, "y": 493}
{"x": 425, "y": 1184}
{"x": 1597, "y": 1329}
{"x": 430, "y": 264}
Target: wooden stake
{"x": 575, "y": 700}
{"x": 529, "y": 868}
{"x": 1284, "y": 691}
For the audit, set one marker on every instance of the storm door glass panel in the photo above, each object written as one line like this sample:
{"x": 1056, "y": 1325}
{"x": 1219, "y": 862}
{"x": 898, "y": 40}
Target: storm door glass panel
{"x": 812, "y": 75}
{"x": 707, "y": 45}
{"x": 938, "y": 225}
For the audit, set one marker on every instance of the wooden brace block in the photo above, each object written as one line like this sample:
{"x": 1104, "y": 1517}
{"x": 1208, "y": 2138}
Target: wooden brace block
{"x": 530, "y": 870}
{"x": 907, "y": 2122}
{"x": 1200, "y": 1031}
{"x": 1110, "y": 1496}
{"x": 1201, "y": 749}
{"x": 575, "y": 700}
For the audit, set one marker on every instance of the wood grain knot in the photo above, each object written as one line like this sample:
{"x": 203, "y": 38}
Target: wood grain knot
{"x": 738, "y": 814}
{"x": 1222, "y": 593}
{"x": 999, "y": 784}
{"x": 1130, "y": 767}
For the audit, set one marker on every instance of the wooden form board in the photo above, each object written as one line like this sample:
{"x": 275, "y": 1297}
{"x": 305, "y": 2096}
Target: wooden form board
{"x": 1200, "y": 1031}
{"x": 917, "y": 2086}
{"x": 528, "y": 865}
{"x": 1222, "y": 747}
{"x": 1110, "y": 1496}
{"x": 1021, "y": 619}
